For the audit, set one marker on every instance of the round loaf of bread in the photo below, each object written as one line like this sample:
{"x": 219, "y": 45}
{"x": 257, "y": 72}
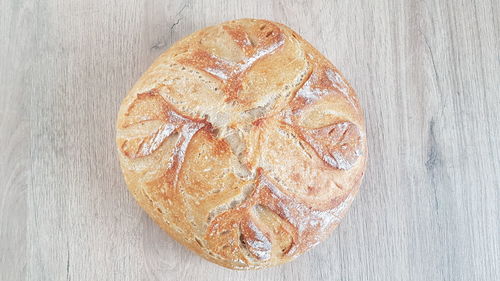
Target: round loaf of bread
{"x": 243, "y": 143}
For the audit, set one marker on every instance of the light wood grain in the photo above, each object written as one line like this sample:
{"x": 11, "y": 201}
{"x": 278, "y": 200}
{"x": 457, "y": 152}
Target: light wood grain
{"x": 427, "y": 73}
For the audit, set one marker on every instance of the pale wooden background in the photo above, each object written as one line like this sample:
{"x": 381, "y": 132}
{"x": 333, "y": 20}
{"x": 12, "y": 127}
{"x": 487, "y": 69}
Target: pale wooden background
{"x": 427, "y": 73}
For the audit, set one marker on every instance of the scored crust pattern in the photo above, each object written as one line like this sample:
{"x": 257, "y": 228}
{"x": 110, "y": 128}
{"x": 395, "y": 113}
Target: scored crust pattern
{"x": 244, "y": 143}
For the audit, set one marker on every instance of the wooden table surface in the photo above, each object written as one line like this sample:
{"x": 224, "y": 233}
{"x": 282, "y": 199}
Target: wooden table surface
{"x": 427, "y": 73}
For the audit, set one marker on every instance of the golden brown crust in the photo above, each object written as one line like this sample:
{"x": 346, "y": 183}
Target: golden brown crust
{"x": 243, "y": 143}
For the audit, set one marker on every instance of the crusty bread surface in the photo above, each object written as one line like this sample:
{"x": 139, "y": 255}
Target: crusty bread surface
{"x": 244, "y": 143}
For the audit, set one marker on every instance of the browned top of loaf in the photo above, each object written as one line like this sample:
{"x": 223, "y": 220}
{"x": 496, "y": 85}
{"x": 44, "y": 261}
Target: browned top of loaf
{"x": 244, "y": 143}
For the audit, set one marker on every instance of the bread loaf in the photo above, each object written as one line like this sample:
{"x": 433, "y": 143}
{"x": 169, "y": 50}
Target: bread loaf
{"x": 243, "y": 143}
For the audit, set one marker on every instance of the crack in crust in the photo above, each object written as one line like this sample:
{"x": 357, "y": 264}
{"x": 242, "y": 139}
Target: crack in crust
{"x": 247, "y": 216}
{"x": 232, "y": 73}
{"x": 298, "y": 223}
{"x": 338, "y": 144}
